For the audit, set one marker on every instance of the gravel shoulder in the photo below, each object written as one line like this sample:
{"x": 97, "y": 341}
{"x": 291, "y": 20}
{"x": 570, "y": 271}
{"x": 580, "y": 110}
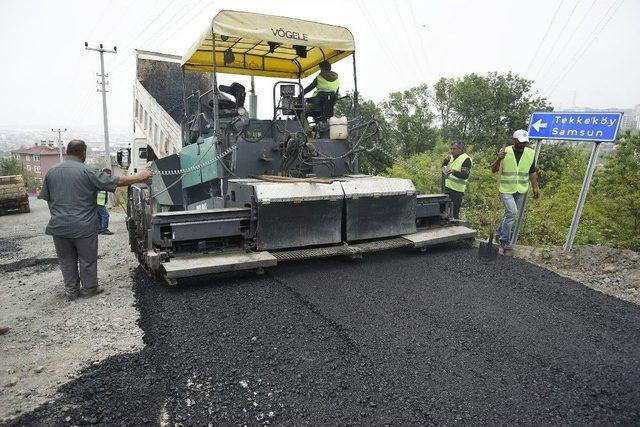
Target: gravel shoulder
{"x": 51, "y": 339}
{"x": 614, "y": 272}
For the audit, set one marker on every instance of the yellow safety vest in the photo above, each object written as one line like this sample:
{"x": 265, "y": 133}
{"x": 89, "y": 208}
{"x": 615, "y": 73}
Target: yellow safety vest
{"x": 453, "y": 182}
{"x": 515, "y": 176}
{"x": 324, "y": 85}
{"x": 101, "y": 200}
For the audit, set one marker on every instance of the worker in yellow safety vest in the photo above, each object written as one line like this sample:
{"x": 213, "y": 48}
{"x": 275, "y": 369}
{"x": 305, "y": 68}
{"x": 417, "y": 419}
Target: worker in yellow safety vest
{"x": 518, "y": 171}
{"x": 102, "y": 196}
{"x": 456, "y": 169}
{"x": 326, "y": 81}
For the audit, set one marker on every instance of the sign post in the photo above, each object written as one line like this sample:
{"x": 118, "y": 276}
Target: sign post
{"x": 586, "y": 183}
{"x": 576, "y": 126}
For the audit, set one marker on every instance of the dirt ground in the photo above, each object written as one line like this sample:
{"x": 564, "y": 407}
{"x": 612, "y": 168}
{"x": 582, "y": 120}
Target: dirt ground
{"x": 52, "y": 339}
{"x": 611, "y": 271}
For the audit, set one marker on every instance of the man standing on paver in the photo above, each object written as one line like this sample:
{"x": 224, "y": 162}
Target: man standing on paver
{"x": 518, "y": 170}
{"x": 70, "y": 190}
{"x": 456, "y": 168}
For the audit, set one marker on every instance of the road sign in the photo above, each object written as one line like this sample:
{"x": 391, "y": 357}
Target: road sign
{"x": 574, "y": 126}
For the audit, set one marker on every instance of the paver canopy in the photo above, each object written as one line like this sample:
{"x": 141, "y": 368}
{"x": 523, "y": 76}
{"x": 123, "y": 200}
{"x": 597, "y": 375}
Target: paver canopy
{"x": 267, "y": 45}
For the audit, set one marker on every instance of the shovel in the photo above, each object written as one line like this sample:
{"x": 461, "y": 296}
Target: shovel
{"x": 488, "y": 250}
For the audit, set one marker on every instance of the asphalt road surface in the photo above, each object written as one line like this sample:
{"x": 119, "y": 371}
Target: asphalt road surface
{"x": 398, "y": 338}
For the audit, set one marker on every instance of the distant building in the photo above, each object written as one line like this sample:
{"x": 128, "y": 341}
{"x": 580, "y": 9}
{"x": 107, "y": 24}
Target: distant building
{"x": 630, "y": 119}
{"x": 39, "y": 158}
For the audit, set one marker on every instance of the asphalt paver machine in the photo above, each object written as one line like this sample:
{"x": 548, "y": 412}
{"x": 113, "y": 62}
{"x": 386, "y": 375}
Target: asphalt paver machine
{"x": 233, "y": 192}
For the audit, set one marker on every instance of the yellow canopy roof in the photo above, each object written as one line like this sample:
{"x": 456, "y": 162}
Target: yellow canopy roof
{"x": 265, "y": 45}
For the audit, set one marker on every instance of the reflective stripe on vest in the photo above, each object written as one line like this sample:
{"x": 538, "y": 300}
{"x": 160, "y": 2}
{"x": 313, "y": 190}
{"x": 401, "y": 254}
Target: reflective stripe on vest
{"x": 515, "y": 177}
{"x": 101, "y": 200}
{"x": 453, "y": 182}
{"x": 324, "y": 85}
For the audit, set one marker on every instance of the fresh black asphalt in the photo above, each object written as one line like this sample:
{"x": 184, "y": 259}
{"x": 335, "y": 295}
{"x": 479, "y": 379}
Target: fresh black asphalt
{"x": 397, "y": 338}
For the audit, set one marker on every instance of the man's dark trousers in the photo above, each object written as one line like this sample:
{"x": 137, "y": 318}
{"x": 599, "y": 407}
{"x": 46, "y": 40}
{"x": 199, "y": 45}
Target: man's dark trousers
{"x": 78, "y": 261}
{"x": 456, "y": 200}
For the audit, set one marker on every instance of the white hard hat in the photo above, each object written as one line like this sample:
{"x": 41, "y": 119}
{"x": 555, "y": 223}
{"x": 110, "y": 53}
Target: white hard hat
{"x": 521, "y": 135}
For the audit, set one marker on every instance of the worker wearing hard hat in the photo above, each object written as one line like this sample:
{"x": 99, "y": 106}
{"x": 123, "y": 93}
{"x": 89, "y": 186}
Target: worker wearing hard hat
{"x": 456, "y": 169}
{"x": 518, "y": 171}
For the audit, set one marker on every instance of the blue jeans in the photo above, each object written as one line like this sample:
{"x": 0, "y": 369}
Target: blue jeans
{"x": 512, "y": 203}
{"x": 103, "y": 217}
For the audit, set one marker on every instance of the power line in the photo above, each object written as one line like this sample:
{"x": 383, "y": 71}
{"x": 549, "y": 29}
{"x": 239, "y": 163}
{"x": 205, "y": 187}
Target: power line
{"x": 546, "y": 33}
{"x": 135, "y": 39}
{"x": 589, "y": 39}
{"x": 117, "y": 68}
{"x": 203, "y": 5}
{"x": 410, "y": 42}
{"x": 383, "y": 45}
{"x": 423, "y": 50}
{"x": 558, "y": 37}
{"x": 599, "y": 28}
{"x": 575, "y": 30}
{"x": 173, "y": 19}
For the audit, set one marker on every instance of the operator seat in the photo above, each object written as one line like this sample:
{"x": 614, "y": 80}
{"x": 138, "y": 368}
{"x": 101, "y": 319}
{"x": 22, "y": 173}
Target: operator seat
{"x": 323, "y": 104}
{"x": 228, "y": 107}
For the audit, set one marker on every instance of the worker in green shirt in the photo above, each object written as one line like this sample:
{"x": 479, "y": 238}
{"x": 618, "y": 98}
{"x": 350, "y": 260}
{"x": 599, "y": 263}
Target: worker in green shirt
{"x": 456, "y": 168}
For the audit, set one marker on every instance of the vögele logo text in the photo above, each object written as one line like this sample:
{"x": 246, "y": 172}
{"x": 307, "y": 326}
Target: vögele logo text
{"x": 281, "y": 32}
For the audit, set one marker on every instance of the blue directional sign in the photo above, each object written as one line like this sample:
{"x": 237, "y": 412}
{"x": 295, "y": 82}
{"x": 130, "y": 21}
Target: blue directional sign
{"x": 600, "y": 127}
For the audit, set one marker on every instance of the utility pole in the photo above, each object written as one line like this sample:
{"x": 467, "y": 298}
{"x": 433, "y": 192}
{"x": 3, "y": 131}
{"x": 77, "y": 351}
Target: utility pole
{"x": 103, "y": 89}
{"x": 59, "y": 140}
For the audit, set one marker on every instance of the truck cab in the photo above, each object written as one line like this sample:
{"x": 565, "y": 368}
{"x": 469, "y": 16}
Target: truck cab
{"x": 133, "y": 158}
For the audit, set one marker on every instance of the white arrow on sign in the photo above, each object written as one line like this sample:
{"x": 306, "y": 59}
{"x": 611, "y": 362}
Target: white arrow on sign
{"x": 537, "y": 125}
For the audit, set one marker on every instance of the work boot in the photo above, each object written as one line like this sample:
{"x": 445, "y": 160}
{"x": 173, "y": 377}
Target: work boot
{"x": 88, "y": 293}
{"x": 107, "y": 232}
{"x": 505, "y": 246}
{"x": 4, "y": 330}
{"x": 72, "y": 296}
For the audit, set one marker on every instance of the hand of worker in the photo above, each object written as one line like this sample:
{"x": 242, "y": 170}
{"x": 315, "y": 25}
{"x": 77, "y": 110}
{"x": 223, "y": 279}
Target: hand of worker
{"x": 447, "y": 170}
{"x": 502, "y": 153}
{"x": 536, "y": 193}
{"x": 145, "y": 174}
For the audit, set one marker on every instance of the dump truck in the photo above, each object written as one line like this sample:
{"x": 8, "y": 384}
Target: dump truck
{"x": 13, "y": 195}
{"x": 231, "y": 191}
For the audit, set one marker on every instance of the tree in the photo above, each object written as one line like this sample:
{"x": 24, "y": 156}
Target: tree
{"x": 410, "y": 119}
{"x": 484, "y": 110}
{"x": 371, "y": 160}
{"x": 618, "y": 193}
{"x": 442, "y": 99}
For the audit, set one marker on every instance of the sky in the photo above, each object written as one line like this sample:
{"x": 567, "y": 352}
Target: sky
{"x": 582, "y": 50}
